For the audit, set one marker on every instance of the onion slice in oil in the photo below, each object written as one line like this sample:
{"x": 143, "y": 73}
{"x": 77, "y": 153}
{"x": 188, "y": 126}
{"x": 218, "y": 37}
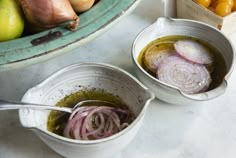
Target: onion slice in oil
{"x": 96, "y": 122}
{"x": 155, "y": 54}
{"x": 193, "y": 51}
{"x": 187, "y": 76}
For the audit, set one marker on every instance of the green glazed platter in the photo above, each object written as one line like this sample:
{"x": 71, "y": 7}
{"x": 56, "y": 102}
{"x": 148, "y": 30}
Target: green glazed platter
{"x": 46, "y": 45}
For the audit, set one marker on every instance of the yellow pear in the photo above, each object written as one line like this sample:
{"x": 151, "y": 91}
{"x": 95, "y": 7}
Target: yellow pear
{"x": 11, "y": 20}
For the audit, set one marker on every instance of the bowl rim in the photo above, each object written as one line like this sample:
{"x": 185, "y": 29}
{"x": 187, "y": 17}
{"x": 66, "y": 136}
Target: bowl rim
{"x": 98, "y": 141}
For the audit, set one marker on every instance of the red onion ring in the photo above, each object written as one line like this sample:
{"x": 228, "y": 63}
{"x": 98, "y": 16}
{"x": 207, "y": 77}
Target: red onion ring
{"x": 187, "y": 76}
{"x": 100, "y": 126}
{"x": 95, "y": 122}
{"x": 155, "y": 54}
{"x": 193, "y": 51}
{"x": 71, "y": 123}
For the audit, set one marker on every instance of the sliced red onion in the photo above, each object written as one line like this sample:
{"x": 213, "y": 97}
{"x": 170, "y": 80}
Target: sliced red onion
{"x": 71, "y": 125}
{"x": 193, "y": 51}
{"x": 155, "y": 54}
{"x": 108, "y": 127}
{"x": 124, "y": 125}
{"x": 187, "y": 76}
{"x": 116, "y": 119}
{"x": 100, "y": 126}
{"x": 95, "y": 122}
{"x": 76, "y": 128}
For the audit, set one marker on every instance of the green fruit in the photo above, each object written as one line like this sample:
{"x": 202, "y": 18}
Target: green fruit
{"x": 11, "y": 20}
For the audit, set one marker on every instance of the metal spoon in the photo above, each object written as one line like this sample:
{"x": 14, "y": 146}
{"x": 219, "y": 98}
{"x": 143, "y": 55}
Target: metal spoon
{"x": 7, "y": 105}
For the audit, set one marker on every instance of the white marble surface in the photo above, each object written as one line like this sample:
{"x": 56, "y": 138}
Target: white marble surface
{"x": 169, "y": 131}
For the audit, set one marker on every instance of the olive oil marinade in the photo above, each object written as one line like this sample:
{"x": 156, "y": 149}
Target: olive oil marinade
{"x": 217, "y": 70}
{"x": 57, "y": 120}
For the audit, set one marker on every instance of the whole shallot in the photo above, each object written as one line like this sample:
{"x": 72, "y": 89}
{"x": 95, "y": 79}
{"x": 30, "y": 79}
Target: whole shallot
{"x": 49, "y": 13}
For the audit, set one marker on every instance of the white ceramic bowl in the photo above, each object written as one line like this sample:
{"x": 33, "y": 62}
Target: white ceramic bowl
{"x": 167, "y": 26}
{"x": 74, "y": 78}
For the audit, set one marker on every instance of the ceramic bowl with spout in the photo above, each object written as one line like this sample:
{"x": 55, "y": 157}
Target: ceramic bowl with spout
{"x": 75, "y": 78}
{"x": 183, "y": 27}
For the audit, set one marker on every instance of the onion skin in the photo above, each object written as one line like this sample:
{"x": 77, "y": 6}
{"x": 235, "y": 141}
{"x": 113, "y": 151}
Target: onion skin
{"x": 49, "y": 13}
{"x": 81, "y": 5}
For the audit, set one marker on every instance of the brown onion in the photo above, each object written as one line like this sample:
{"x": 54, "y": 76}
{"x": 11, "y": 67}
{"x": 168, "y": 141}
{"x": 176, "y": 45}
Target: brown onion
{"x": 49, "y": 13}
{"x": 81, "y": 5}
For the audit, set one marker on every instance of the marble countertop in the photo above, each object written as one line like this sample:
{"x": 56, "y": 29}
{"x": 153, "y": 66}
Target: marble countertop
{"x": 169, "y": 131}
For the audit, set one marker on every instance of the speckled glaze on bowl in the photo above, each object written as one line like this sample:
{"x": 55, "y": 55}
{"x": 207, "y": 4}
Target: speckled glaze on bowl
{"x": 72, "y": 79}
{"x": 167, "y": 26}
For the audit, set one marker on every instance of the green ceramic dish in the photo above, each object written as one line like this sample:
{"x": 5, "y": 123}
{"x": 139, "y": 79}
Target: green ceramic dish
{"x": 26, "y": 50}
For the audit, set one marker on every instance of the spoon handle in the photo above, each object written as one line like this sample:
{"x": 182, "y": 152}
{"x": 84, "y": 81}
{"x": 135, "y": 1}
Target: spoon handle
{"x": 6, "y": 105}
